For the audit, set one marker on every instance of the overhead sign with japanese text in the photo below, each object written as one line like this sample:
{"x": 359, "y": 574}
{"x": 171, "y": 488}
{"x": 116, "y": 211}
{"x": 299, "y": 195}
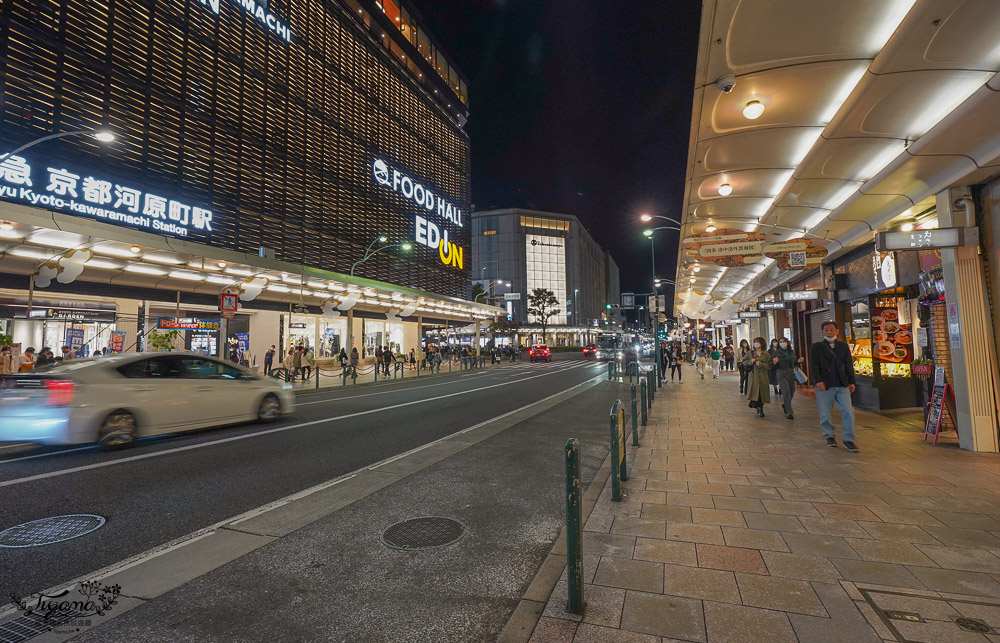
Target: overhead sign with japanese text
{"x": 802, "y": 295}
{"x": 751, "y": 314}
{"x": 76, "y": 193}
{"x": 927, "y": 239}
{"x": 772, "y": 305}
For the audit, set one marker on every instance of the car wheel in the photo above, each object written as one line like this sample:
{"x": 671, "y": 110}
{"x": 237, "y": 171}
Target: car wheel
{"x": 269, "y": 409}
{"x": 118, "y": 431}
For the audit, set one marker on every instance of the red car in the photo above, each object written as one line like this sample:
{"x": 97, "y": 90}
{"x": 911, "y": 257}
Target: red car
{"x": 540, "y": 353}
{"x": 590, "y": 350}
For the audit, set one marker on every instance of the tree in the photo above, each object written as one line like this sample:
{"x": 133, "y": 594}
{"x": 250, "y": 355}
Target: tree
{"x": 162, "y": 341}
{"x": 503, "y": 327}
{"x": 542, "y": 304}
{"x": 477, "y": 291}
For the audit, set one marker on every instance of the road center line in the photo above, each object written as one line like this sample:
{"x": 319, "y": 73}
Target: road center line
{"x": 190, "y": 447}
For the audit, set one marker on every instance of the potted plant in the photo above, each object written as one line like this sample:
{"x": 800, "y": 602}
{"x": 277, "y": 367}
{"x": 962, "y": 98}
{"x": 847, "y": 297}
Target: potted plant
{"x": 162, "y": 341}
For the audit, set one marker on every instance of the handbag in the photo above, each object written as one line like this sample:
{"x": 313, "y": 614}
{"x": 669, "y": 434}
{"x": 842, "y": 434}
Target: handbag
{"x": 800, "y": 377}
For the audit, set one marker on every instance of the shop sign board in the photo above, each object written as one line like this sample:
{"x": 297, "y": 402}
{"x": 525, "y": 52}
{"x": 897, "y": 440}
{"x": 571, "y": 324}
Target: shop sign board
{"x": 512, "y": 296}
{"x": 75, "y": 340}
{"x": 803, "y": 295}
{"x": 71, "y": 190}
{"x": 116, "y": 344}
{"x": 954, "y": 327}
{"x": 796, "y": 254}
{"x": 751, "y": 314}
{"x": 297, "y": 325}
{"x": 259, "y": 12}
{"x": 891, "y": 341}
{"x": 884, "y": 270}
{"x": 186, "y": 323}
{"x": 772, "y": 305}
{"x": 938, "y": 401}
{"x": 922, "y": 337}
{"x": 70, "y": 314}
{"x": 243, "y": 342}
{"x": 927, "y": 239}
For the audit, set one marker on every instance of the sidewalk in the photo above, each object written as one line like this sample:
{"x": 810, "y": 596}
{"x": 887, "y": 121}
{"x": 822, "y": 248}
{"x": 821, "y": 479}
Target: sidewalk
{"x": 739, "y": 528}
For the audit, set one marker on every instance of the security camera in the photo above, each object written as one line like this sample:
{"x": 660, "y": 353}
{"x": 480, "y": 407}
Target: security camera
{"x": 726, "y": 83}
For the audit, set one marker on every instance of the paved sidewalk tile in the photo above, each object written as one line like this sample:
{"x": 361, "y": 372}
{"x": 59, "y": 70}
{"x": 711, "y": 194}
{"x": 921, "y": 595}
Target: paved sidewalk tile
{"x": 739, "y": 528}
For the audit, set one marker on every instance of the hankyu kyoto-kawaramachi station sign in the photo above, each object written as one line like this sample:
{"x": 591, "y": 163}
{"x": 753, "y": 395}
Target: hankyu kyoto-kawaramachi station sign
{"x": 74, "y": 192}
{"x": 426, "y": 232}
{"x": 732, "y": 247}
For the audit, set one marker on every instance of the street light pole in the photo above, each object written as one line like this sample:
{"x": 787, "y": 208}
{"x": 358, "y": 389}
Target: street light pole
{"x": 405, "y": 245}
{"x": 103, "y": 136}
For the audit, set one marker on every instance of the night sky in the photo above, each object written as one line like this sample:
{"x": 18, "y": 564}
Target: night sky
{"x": 581, "y": 107}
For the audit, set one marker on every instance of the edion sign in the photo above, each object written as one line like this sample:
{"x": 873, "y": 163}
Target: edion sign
{"x": 425, "y": 232}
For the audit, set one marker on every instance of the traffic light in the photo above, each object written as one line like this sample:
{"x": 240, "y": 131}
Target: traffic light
{"x": 608, "y": 306}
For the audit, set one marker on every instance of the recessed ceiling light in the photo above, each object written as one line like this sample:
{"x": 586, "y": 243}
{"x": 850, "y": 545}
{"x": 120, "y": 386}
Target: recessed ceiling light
{"x": 697, "y": 268}
{"x": 6, "y": 225}
{"x": 725, "y": 189}
{"x": 907, "y": 227}
{"x": 135, "y": 249}
{"x": 710, "y": 228}
{"x": 753, "y": 110}
{"x": 222, "y": 264}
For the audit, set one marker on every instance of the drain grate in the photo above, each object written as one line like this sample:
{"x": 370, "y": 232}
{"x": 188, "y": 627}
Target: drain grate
{"x": 974, "y": 625}
{"x": 427, "y": 532}
{"x": 46, "y": 531}
{"x": 28, "y": 626}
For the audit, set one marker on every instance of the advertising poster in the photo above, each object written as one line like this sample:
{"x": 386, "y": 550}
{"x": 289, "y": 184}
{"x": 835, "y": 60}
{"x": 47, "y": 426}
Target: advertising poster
{"x": 75, "y": 340}
{"x": 117, "y": 342}
{"x": 892, "y": 342}
{"x": 243, "y": 342}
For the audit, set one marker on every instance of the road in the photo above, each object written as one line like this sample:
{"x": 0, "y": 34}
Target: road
{"x": 165, "y": 488}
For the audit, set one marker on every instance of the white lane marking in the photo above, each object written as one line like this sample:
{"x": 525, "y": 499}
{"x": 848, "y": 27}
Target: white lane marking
{"x": 401, "y": 390}
{"x": 19, "y": 444}
{"x": 235, "y": 438}
{"x": 45, "y": 455}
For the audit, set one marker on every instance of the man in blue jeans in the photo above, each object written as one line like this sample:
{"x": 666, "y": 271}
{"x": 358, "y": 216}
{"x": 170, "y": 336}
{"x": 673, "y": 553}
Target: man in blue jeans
{"x": 832, "y": 372}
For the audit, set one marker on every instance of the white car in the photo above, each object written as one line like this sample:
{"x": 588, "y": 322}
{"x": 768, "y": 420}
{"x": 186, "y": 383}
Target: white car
{"x": 115, "y": 400}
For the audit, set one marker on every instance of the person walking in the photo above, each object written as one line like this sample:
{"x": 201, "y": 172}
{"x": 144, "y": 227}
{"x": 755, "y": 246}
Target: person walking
{"x": 354, "y": 358}
{"x": 757, "y": 361}
{"x": 289, "y": 364}
{"x": 343, "y": 357}
{"x": 676, "y": 361}
{"x": 716, "y": 356}
{"x": 297, "y": 354}
{"x": 785, "y": 360}
{"x": 744, "y": 372}
{"x": 308, "y": 360}
{"x": 413, "y": 359}
{"x": 26, "y": 360}
{"x": 728, "y": 356}
{"x": 387, "y": 358}
{"x": 269, "y": 361}
{"x": 831, "y": 371}
{"x": 700, "y": 360}
{"x": 772, "y": 372}
{"x": 45, "y": 358}
{"x": 378, "y": 359}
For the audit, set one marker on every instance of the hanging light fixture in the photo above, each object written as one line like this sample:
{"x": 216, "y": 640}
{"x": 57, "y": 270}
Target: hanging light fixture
{"x": 753, "y": 110}
{"x": 725, "y": 189}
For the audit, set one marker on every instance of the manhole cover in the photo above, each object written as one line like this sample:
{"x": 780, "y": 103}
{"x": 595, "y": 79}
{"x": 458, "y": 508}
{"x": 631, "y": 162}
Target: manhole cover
{"x": 46, "y": 531}
{"x": 427, "y": 532}
{"x": 973, "y": 625}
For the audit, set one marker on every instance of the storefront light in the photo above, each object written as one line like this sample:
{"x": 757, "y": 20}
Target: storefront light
{"x": 6, "y": 226}
{"x": 186, "y": 275}
{"x": 753, "y": 110}
{"x": 218, "y": 279}
{"x": 31, "y": 253}
{"x": 240, "y": 271}
{"x": 103, "y": 263}
{"x": 135, "y": 249}
{"x": 278, "y": 288}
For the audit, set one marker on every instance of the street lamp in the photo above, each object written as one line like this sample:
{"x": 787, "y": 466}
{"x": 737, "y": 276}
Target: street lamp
{"x": 104, "y": 136}
{"x": 369, "y": 253}
{"x": 497, "y": 282}
{"x": 646, "y": 218}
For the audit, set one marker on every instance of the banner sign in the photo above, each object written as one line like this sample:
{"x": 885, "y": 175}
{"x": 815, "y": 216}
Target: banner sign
{"x": 117, "y": 342}
{"x": 796, "y": 254}
{"x": 772, "y": 305}
{"x": 927, "y": 239}
{"x": 729, "y": 247}
{"x": 186, "y": 323}
{"x": 751, "y": 314}
{"x": 243, "y": 342}
{"x": 75, "y": 339}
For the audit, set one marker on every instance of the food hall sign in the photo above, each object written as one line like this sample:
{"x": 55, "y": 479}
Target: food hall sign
{"x": 62, "y": 189}
{"x": 426, "y": 232}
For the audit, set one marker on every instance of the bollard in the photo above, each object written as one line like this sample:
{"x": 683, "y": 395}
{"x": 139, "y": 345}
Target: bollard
{"x": 619, "y": 469}
{"x": 644, "y": 401}
{"x": 611, "y": 366}
{"x": 635, "y": 418}
{"x": 574, "y": 527}
{"x": 651, "y": 388}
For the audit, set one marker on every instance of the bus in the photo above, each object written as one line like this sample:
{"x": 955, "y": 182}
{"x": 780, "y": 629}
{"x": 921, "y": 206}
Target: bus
{"x": 609, "y": 346}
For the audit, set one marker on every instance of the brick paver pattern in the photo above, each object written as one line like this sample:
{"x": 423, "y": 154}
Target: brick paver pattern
{"x": 739, "y": 528}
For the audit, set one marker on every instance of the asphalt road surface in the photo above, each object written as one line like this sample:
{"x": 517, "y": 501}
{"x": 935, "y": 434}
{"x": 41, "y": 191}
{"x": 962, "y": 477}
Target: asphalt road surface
{"x": 165, "y": 488}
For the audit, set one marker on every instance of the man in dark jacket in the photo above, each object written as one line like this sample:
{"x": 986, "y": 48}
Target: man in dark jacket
{"x": 832, "y": 372}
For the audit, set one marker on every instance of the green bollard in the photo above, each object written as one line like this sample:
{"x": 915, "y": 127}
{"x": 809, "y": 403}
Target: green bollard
{"x": 574, "y": 527}
{"x": 610, "y": 367}
{"x": 635, "y": 418}
{"x": 644, "y": 401}
{"x": 651, "y": 388}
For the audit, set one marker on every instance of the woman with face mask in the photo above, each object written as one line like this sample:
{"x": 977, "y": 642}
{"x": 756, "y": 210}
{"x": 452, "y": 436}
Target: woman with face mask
{"x": 784, "y": 360}
{"x": 744, "y": 372}
{"x": 757, "y": 361}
